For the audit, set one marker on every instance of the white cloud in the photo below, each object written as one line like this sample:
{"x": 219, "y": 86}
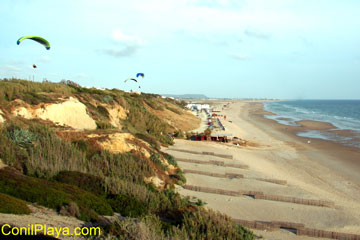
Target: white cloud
{"x": 124, "y": 45}
{"x": 126, "y": 51}
{"x": 120, "y": 37}
{"x": 44, "y": 59}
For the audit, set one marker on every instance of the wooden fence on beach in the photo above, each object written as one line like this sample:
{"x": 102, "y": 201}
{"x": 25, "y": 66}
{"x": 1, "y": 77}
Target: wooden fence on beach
{"x": 219, "y": 175}
{"x": 213, "y": 162}
{"x": 296, "y": 228}
{"x": 261, "y": 195}
{"x": 204, "y": 153}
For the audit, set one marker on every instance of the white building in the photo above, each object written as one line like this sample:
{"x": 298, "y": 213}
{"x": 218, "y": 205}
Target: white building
{"x": 198, "y": 107}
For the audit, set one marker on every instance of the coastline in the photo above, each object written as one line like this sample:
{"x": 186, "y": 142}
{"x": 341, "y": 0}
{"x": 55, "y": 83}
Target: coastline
{"x": 314, "y": 171}
{"x": 335, "y": 152}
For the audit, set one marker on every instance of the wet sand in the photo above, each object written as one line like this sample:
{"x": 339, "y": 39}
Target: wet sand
{"x": 341, "y": 158}
{"x": 321, "y": 170}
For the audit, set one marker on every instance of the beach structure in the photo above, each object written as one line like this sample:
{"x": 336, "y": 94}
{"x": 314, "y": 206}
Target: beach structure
{"x": 198, "y": 107}
{"x": 215, "y": 138}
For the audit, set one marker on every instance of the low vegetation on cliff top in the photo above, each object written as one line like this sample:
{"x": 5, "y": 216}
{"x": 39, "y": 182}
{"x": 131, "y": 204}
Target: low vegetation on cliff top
{"x": 62, "y": 169}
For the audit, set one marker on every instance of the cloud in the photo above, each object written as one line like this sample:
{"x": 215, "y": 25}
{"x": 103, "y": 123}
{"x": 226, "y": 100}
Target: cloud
{"x": 256, "y": 34}
{"x": 12, "y": 67}
{"x": 44, "y": 59}
{"x": 239, "y": 56}
{"x": 9, "y": 68}
{"x": 124, "y": 45}
{"x": 126, "y": 51}
{"x": 120, "y": 37}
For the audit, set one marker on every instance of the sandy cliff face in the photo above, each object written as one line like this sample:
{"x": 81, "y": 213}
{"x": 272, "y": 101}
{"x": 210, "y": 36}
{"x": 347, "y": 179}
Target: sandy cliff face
{"x": 116, "y": 114}
{"x": 156, "y": 181}
{"x": 121, "y": 143}
{"x": 1, "y": 117}
{"x": 70, "y": 113}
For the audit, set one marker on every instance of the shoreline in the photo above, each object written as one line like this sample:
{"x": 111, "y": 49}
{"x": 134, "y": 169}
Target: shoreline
{"x": 336, "y": 152}
{"x": 318, "y": 129}
{"x": 315, "y": 172}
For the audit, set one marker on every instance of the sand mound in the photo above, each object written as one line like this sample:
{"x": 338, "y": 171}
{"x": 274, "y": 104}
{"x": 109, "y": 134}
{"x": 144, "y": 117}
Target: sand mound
{"x": 68, "y": 113}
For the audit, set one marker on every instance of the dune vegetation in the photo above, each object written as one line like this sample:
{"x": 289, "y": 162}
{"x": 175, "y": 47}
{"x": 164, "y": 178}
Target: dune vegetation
{"x": 70, "y": 171}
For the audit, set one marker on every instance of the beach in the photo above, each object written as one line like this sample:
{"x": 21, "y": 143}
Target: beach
{"x": 281, "y": 176}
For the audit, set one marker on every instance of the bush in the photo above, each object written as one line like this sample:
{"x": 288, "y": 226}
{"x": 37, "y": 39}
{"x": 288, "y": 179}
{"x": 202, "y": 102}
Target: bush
{"x": 107, "y": 99}
{"x": 156, "y": 159}
{"x": 103, "y": 111}
{"x": 27, "y": 90}
{"x": 149, "y": 139}
{"x": 207, "y": 224}
{"x": 21, "y": 136}
{"x": 171, "y": 160}
{"x": 71, "y": 210}
{"x": 103, "y": 125}
{"x": 127, "y": 206}
{"x": 51, "y": 194}
{"x": 13, "y": 205}
{"x": 87, "y": 182}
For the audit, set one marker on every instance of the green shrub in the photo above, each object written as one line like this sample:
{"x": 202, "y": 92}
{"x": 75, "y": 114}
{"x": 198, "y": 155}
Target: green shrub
{"x": 21, "y": 136}
{"x": 28, "y": 90}
{"x": 103, "y": 111}
{"x": 171, "y": 160}
{"x": 127, "y": 206}
{"x": 149, "y": 139}
{"x": 13, "y": 205}
{"x": 156, "y": 159}
{"x": 207, "y": 224}
{"x": 103, "y": 125}
{"x": 107, "y": 99}
{"x": 87, "y": 182}
{"x": 51, "y": 194}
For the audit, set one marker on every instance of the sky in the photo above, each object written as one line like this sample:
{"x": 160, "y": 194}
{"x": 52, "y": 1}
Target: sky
{"x": 288, "y": 49}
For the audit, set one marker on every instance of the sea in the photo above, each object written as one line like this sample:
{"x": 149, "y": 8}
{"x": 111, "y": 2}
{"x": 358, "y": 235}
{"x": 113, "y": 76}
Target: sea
{"x": 343, "y": 114}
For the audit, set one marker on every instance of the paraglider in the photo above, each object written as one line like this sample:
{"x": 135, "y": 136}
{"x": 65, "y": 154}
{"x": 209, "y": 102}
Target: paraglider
{"x": 140, "y": 75}
{"x": 40, "y": 40}
{"x": 34, "y": 66}
{"x": 133, "y": 79}
{"x": 137, "y": 76}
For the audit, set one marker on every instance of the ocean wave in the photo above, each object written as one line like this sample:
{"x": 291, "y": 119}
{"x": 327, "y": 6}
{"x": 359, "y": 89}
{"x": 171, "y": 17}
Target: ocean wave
{"x": 297, "y": 113}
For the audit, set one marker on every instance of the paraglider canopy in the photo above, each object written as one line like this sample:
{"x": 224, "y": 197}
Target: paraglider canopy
{"x": 133, "y": 79}
{"x": 40, "y": 40}
{"x": 140, "y": 75}
{"x": 34, "y": 66}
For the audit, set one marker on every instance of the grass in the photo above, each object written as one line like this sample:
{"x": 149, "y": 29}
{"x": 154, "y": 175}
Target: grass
{"x": 207, "y": 224}
{"x": 52, "y": 194}
{"x": 77, "y": 178}
{"x": 13, "y": 205}
{"x": 28, "y": 91}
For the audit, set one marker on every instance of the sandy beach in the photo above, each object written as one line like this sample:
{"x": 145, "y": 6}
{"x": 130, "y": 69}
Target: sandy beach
{"x": 319, "y": 171}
